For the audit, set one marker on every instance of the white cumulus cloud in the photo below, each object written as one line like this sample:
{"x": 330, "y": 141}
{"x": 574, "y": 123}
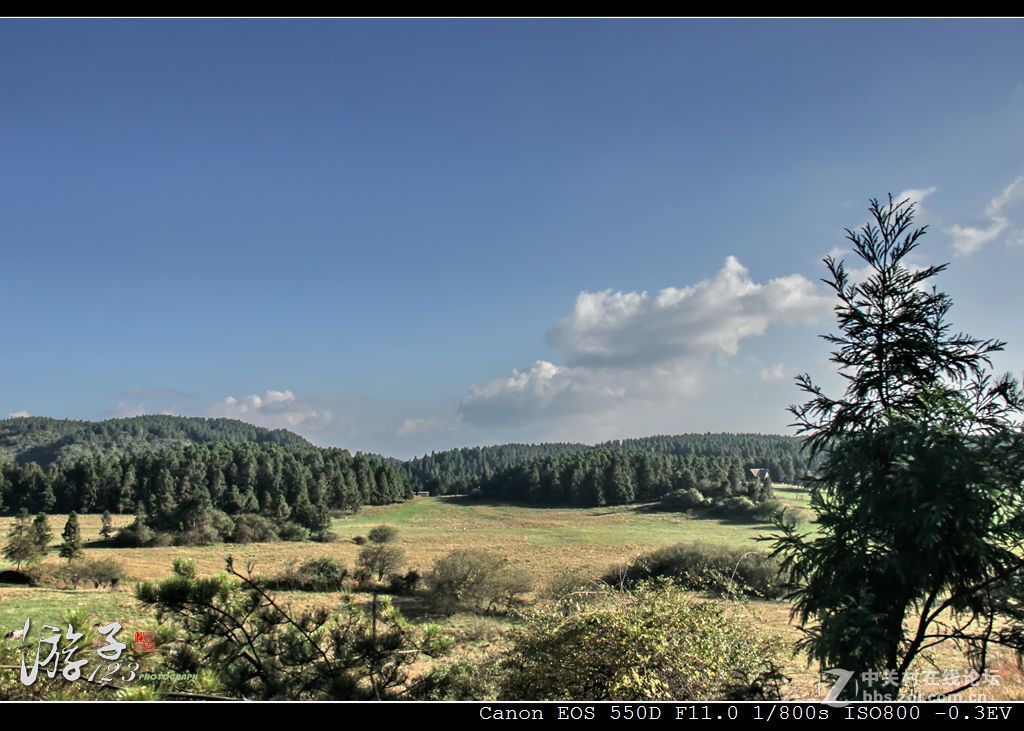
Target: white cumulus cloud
{"x": 969, "y": 239}
{"x": 18, "y": 415}
{"x": 710, "y": 317}
{"x": 916, "y": 196}
{"x": 635, "y": 353}
{"x": 274, "y": 410}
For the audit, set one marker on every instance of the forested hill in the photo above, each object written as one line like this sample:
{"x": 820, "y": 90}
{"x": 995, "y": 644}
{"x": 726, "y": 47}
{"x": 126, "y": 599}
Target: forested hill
{"x": 460, "y": 470}
{"x": 47, "y": 441}
{"x": 200, "y": 489}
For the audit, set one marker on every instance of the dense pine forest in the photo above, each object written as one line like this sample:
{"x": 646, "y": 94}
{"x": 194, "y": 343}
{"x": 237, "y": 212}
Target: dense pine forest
{"x": 459, "y": 471}
{"x": 205, "y": 492}
{"x": 615, "y": 476}
{"x": 238, "y": 477}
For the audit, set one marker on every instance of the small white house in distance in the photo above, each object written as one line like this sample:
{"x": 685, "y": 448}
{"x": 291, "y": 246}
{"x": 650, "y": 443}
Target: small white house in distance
{"x": 759, "y": 474}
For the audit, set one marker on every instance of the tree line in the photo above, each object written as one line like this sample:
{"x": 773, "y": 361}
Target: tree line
{"x": 457, "y": 471}
{"x": 171, "y": 486}
{"x": 616, "y": 476}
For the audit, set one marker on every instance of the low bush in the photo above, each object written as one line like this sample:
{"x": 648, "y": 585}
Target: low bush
{"x": 575, "y": 586}
{"x": 135, "y": 535}
{"x": 290, "y": 531}
{"x": 376, "y": 560}
{"x": 406, "y": 583}
{"x": 744, "y": 508}
{"x": 253, "y": 528}
{"x": 690, "y": 499}
{"x": 161, "y": 539}
{"x": 383, "y": 534}
{"x": 204, "y": 535}
{"x": 223, "y": 524}
{"x": 735, "y": 507}
{"x": 768, "y": 509}
{"x": 717, "y": 569}
{"x": 477, "y": 580}
{"x": 102, "y": 573}
{"x": 318, "y": 574}
{"x": 140, "y": 535}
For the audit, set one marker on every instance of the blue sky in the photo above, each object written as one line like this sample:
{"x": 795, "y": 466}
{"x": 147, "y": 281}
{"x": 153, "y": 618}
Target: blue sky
{"x": 410, "y": 235}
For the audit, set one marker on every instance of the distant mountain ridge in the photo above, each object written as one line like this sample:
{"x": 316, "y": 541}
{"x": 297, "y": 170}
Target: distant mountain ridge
{"x": 45, "y": 440}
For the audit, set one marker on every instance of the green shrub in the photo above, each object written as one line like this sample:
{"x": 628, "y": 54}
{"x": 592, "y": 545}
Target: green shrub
{"x": 690, "y": 499}
{"x": 184, "y": 568}
{"x": 254, "y": 528}
{"x": 477, "y": 580}
{"x": 104, "y": 572}
{"x": 161, "y": 539}
{"x": 324, "y": 536}
{"x": 135, "y": 535}
{"x": 406, "y": 583}
{"x": 290, "y": 531}
{"x": 656, "y": 643}
{"x": 223, "y": 524}
{"x": 85, "y": 574}
{"x": 383, "y": 534}
{"x": 376, "y": 560}
{"x": 139, "y": 535}
{"x": 703, "y": 567}
{"x": 200, "y": 535}
{"x": 575, "y": 586}
{"x": 735, "y": 507}
{"x": 317, "y": 574}
{"x": 768, "y": 509}
{"x": 743, "y": 507}
{"x": 515, "y": 583}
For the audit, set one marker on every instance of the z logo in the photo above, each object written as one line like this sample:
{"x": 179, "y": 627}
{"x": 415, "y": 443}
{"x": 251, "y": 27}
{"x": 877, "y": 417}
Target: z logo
{"x": 842, "y": 678}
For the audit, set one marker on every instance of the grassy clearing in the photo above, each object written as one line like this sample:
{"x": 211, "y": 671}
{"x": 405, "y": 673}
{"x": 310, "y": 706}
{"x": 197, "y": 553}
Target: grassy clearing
{"x": 543, "y": 540}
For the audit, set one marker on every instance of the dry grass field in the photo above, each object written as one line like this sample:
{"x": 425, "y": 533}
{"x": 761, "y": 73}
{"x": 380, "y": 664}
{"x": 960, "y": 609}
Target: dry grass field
{"x": 544, "y": 541}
